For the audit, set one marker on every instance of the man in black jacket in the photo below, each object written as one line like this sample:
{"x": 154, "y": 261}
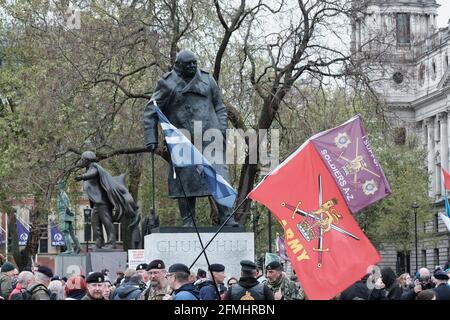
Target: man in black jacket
{"x": 248, "y": 288}
{"x": 442, "y": 288}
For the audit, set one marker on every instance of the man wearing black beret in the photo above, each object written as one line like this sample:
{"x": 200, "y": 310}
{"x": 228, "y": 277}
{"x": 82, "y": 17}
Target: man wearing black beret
{"x": 248, "y": 287}
{"x": 142, "y": 270}
{"x": 216, "y": 278}
{"x": 94, "y": 286}
{"x": 178, "y": 278}
{"x": 282, "y": 287}
{"x": 442, "y": 288}
{"x": 159, "y": 286}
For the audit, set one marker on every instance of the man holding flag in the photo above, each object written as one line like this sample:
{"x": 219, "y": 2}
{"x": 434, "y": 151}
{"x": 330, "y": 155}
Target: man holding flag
{"x": 313, "y": 194}
{"x": 188, "y": 99}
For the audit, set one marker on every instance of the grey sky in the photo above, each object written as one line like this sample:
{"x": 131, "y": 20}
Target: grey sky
{"x": 443, "y": 13}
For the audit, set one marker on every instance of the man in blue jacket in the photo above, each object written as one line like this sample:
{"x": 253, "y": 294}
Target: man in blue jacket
{"x": 178, "y": 277}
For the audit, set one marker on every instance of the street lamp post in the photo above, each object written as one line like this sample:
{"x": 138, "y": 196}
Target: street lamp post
{"x": 415, "y": 206}
{"x": 87, "y": 214}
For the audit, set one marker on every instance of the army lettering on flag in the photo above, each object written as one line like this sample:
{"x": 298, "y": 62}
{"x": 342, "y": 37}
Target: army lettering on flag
{"x": 22, "y": 232}
{"x": 57, "y": 236}
{"x": 347, "y": 153}
{"x": 326, "y": 247}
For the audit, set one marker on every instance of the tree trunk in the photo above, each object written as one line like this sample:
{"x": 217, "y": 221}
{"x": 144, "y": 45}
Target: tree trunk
{"x": 23, "y": 257}
{"x": 135, "y": 167}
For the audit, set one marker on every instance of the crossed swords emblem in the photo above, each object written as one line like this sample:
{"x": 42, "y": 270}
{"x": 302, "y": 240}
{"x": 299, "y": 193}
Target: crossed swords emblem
{"x": 325, "y": 224}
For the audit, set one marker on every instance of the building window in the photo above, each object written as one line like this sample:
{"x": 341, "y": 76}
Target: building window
{"x": 424, "y": 258}
{"x": 436, "y": 222}
{"x": 433, "y": 70}
{"x": 436, "y": 257}
{"x": 403, "y": 262}
{"x": 403, "y": 28}
{"x": 422, "y": 74}
{"x": 446, "y": 61}
{"x": 400, "y": 136}
{"x": 43, "y": 240}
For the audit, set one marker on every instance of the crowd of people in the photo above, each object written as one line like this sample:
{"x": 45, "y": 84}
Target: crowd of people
{"x": 153, "y": 281}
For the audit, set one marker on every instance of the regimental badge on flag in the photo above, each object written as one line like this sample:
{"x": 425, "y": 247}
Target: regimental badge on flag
{"x": 184, "y": 154}
{"x": 311, "y": 194}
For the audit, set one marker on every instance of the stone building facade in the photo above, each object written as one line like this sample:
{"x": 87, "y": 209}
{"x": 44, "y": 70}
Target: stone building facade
{"x": 409, "y": 63}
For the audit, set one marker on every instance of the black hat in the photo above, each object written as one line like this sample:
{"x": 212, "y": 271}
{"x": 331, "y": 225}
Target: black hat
{"x": 179, "y": 267}
{"x": 7, "y": 266}
{"x": 217, "y": 267}
{"x": 441, "y": 275}
{"x": 95, "y": 277}
{"x": 45, "y": 270}
{"x": 55, "y": 277}
{"x": 156, "y": 264}
{"x": 142, "y": 266}
{"x": 274, "y": 265}
{"x": 248, "y": 265}
{"x": 64, "y": 279}
{"x": 201, "y": 273}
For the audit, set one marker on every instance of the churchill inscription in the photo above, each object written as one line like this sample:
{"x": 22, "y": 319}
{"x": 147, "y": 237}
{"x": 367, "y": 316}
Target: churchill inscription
{"x": 227, "y": 248}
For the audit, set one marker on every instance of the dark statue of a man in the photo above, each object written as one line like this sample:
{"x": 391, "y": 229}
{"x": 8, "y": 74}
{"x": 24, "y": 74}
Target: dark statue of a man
{"x": 66, "y": 219}
{"x": 106, "y": 193}
{"x": 189, "y": 96}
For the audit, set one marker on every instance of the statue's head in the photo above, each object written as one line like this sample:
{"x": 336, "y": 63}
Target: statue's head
{"x": 186, "y": 63}
{"x": 88, "y": 157}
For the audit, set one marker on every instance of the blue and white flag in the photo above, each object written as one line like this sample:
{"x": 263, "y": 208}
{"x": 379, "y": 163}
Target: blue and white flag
{"x": 185, "y": 154}
{"x": 57, "y": 236}
{"x": 22, "y": 232}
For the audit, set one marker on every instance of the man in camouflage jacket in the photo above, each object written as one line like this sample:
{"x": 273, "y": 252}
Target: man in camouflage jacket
{"x": 281, "y": 286}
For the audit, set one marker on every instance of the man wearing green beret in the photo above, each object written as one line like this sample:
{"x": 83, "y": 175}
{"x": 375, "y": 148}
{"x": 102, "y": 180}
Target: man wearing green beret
{"x": 248, "y": 287}
{"x": 281, "y": 286}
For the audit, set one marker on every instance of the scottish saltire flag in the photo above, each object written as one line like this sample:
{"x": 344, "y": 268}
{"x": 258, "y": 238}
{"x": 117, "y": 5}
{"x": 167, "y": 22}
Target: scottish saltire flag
{"x": 22, "y": 232}
{"x": 185, "y": 154}
{"x": 57, "y": 236}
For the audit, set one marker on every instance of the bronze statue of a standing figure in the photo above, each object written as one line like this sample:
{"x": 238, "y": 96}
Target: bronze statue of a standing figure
{"x": 189, "y": 96}
{"x": 66, "y": 219}
{"x": 106, "y": 193}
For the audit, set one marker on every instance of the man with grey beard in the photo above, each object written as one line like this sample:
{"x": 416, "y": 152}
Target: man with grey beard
{"x": 159, "y": 286}
{"x": 24, "y": 279}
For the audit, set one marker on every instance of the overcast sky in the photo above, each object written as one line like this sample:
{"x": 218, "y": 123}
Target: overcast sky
{"x": 443, "y": 13}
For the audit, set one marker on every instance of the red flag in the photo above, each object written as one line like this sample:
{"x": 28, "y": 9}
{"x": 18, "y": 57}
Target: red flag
{"x": 327, "y": 249}
{"x": 446, "y": 179}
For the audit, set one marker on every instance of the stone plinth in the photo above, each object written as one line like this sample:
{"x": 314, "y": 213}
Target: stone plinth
{"x": 68, "y": 265}
{"x": 181, "y": 245}
{"x": 112, "y": 260}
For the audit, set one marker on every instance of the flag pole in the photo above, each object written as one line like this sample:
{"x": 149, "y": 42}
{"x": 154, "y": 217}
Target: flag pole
{"x": 217, "y": 232}
{"x": 198, "y": 234}
{"x": 6, "y": 235}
